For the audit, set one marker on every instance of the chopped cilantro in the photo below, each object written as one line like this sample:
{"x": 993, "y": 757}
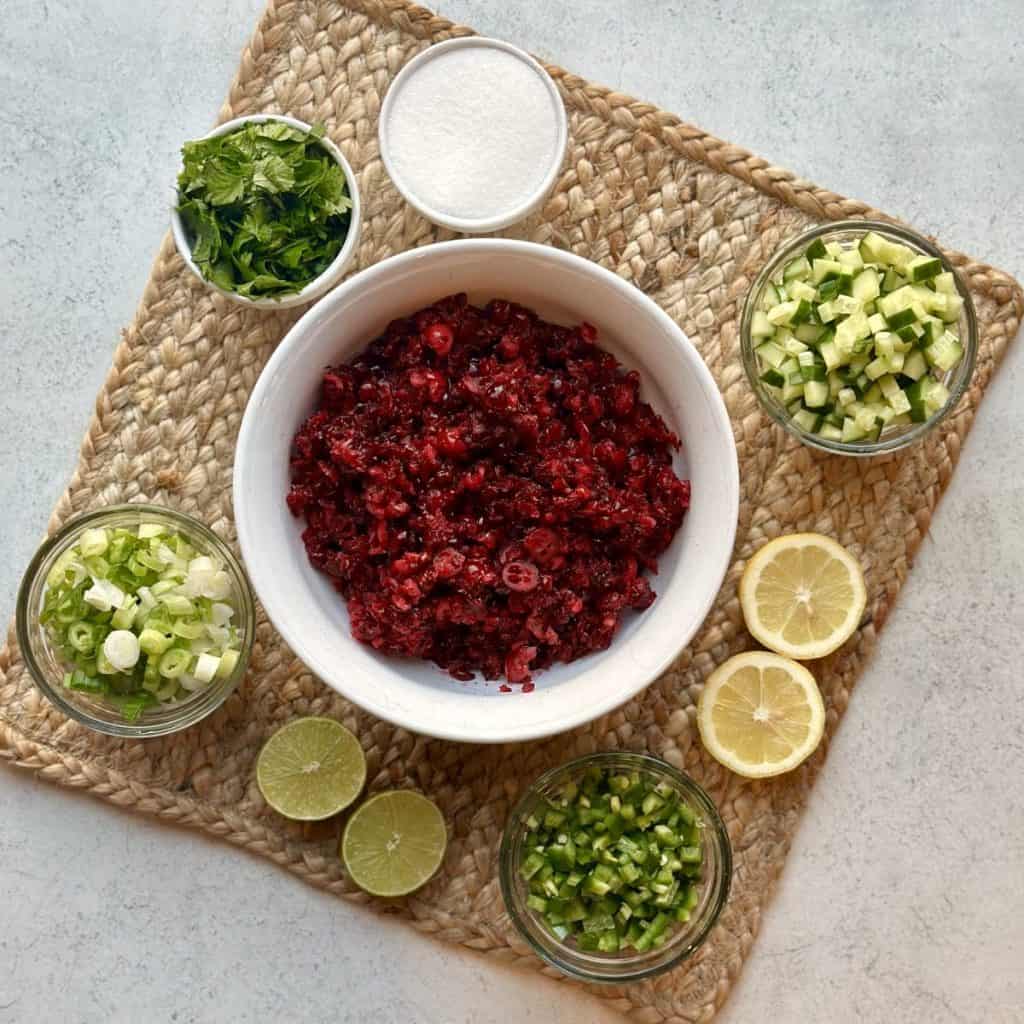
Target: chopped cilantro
{"x": 266, "y": 208}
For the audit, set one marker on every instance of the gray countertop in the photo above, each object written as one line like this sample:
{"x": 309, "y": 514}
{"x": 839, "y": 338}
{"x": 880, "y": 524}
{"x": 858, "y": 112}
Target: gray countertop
{"x": 903, "y": 898}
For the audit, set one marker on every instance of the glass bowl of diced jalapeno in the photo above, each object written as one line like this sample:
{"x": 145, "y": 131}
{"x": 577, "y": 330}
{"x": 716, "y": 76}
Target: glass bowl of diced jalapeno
{"x": 135, "y": 620}
{"x": 858, "y": 337}
{"x": 615, "y": 867}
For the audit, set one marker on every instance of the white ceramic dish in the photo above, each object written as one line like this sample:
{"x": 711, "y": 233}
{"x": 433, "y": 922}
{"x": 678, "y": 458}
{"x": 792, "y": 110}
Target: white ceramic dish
{"x": 319, "y": 285}
{"x": 532, "y": 199}
{"x": 310, "y": 614}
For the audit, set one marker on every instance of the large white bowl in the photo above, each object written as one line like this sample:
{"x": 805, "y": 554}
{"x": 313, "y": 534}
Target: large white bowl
{"x": 310, "y": 614}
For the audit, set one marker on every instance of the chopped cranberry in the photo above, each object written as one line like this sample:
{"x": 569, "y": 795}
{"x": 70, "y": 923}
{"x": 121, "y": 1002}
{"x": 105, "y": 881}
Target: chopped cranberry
{"x": 520, "y": 576}
{"x": 439, "y": 481}
{"x": 440, "y": 338}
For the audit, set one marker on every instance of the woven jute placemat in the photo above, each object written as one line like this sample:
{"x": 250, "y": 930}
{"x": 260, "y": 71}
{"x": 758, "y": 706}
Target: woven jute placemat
{"x": 683, "y": 216}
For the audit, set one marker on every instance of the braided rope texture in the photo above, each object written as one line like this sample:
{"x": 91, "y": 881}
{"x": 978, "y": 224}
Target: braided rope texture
{"x": 683, "y": 216}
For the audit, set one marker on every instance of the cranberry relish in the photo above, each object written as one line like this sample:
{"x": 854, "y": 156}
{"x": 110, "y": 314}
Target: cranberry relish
{"x": 486, "y": 490}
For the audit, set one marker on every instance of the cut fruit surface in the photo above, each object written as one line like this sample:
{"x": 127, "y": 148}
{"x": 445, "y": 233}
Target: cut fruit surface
{"x": 311, "y": 769}
{"x": 761, "y": 714}
{"x": 394, "y": 842}
{"x": 803, "y": 595}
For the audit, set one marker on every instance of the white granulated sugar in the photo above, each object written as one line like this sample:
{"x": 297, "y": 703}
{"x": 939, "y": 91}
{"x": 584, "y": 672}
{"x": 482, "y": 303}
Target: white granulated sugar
{"x": 472, "y": 133}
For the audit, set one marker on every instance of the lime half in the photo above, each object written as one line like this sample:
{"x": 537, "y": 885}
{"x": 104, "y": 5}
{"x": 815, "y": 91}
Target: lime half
{"x": 311, "y": 769}
{"x": 393, "y": 843}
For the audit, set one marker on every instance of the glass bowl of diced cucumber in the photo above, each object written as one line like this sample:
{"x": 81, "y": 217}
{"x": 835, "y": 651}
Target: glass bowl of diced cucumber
{"x": 858, "y": 337}
{"x": 615, "y": 867}
{"x": 135, "y": 620}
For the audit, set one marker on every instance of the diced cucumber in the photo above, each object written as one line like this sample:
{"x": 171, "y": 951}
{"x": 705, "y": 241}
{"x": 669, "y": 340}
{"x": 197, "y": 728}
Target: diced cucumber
{"x": 921, "y": 268}
{"x": 807, "y": 333}
{"x": 825, "y": 270}
{"x": 872, "y": 247}
{"x": 944, "y": 283}
{"x": 828, "y": 289}
{"x": 872, "y": 394}
{"x": 932, "y": 329}
{"x": 773, "y": 378}
{"x": 782, "y": 314}
{"x": 944, "y": 353}
{"x": 807, "y": 420}
{"x": 793, "y": 345}
{"x": 811, "y": 366}
{"x": 830, "y": 433}
{"x": 815, "y": 394}
{"x": 846, "y": 396}
{"x": 851, "y": 260}
{"x": 796, "y": 269}
{"x": 834, "y": 249}
{"x": 915, "y": 366}
{"x": 894, "y": 395}
{"x": 851, "y": 431}
{"x": 850, "y": 331}
{"x": 830, "y": 354}
{"x": 866, "y": 285}
{"x": 917, "y": 395}
{"x": 771, "y": 354}
{"x": 892, "y": 281}
{"x": 954, "y": 305}
{"x": 816, "y": 251}
{"x": 802, "y": 290}
{"x": 877, "y": 323}
{"x": 770, "y": 297}
{"x": 902, "y": 318}
{"x": 761, "y": 326}
{"x": 898, "y": 255}
{"x": 803, "y": 312}
{"x": 847, "y": 305}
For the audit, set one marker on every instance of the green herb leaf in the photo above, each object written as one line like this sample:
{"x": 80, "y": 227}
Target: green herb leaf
{"x": 266, "y": 208}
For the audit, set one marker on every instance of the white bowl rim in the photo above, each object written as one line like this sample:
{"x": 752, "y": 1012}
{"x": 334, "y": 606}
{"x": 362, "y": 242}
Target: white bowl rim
{"x": 331, "y": 273}
{"x": 474, "y": 225}
{"x": 364, "y": 695}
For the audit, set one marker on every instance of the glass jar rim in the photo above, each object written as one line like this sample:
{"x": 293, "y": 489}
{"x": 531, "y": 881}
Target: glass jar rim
{"x": 171, "y": 719}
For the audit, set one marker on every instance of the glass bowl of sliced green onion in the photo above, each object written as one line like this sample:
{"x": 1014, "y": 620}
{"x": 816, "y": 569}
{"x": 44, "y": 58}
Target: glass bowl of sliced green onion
{"x": 859, "y": 337}
{"x": 135, "y": 620}
{"x": 615, "y": 867}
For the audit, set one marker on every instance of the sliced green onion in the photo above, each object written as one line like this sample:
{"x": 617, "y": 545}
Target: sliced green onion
{"x": 139, "y": 616}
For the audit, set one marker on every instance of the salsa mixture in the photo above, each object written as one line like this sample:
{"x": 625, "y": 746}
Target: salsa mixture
{"x": 487, "y": 490}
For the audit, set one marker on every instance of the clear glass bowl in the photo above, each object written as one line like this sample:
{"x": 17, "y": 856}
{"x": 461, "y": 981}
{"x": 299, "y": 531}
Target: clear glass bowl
{"x": 627, "y": 965}
{"x": 846, "y": 232}
{"x": 47, "y": 668}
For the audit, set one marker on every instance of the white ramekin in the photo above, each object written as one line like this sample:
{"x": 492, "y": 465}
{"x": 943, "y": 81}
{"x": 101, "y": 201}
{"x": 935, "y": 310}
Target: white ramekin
{"x": 468, "y": 225}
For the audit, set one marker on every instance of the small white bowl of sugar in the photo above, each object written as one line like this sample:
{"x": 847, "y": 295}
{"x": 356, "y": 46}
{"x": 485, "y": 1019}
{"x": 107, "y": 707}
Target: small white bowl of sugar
{"x": 473, "y": 133}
